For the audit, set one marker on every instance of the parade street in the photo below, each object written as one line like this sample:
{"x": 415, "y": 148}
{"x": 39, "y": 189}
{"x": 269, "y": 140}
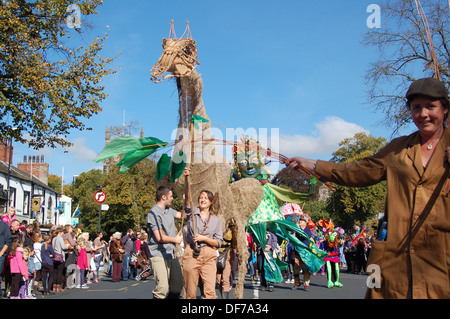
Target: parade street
{"x": 354, "y": 288}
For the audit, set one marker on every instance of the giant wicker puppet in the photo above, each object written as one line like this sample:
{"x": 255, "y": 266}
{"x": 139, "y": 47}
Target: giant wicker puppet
{"x": 194, "y": 147}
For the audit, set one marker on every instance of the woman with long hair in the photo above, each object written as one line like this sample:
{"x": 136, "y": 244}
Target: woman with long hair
{"x": 204, "y": 236}
{"x": 59, "y": 261}
{"x": 47, "y": 255}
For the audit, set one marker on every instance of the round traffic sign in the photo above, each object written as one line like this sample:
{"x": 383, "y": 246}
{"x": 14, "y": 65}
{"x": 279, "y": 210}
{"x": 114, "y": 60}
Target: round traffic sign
{"x": 100, "y": 197}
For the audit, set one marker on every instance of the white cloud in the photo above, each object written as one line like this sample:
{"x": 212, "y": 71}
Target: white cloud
{"x": 324, "y": 140}
{"x": 80, "y": 151}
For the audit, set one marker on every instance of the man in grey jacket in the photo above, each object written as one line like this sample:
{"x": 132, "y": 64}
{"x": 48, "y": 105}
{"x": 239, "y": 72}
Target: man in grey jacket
{"x": 162, "y": 242}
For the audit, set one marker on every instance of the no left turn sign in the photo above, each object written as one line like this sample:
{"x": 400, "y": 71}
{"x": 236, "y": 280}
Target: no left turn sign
{"x": 100, "y": 197}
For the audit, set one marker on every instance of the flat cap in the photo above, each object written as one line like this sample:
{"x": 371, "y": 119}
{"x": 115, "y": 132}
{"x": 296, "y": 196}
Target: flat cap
{"x": 427, "y": 86}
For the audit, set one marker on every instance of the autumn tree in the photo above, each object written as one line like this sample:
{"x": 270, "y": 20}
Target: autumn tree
{"x": 54, "y": 181}
{"x": 293, "y": 179}
{"x": 129, "y": 196}
{"x": 85, "y": 186}
{"x": 413, "y": 42}
{"x": 317, "y": 209}
{"x": 48, "y": 86}
{"x": 351, "y": 204}
{"x": 300, "y": 182}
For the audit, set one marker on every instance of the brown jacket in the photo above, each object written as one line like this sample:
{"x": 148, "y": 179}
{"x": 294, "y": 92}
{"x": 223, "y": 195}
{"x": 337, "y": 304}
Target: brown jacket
{"x": 114, "y": 249}
{"x": 414, "y": 260}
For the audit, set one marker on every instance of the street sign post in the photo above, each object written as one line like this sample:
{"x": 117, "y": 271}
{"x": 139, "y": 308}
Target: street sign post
{"x": 100, "y": 197}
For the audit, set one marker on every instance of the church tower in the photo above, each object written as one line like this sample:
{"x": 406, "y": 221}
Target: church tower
{"x": 110, "y": 162}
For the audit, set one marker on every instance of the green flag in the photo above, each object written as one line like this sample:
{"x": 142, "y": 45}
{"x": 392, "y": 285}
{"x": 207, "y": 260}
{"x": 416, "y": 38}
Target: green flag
{"x": 196, "y": 119}
{"x": 149, "y": 145}
{"x": 135, "y": 150}
{"x": 118, "y": 146}
{"x": 178, "y": 165}
{"x": 287, "y": 195}
{"x": 163, "y": 167}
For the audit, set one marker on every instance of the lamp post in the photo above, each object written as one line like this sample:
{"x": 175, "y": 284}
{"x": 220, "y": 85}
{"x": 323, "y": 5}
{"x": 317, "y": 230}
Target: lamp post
{"x": 9, "y": 173}
{"x": 73, "y": 184}
{"x": 73, "y": 189}
{"x": 9, "y": 168}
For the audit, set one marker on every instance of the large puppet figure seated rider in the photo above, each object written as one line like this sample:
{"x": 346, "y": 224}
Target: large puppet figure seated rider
{"x": 249, "y": 160}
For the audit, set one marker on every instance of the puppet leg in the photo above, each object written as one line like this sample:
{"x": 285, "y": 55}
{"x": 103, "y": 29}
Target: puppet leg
{"x": 329, "y": 274}
{"x": 336, "y": 272}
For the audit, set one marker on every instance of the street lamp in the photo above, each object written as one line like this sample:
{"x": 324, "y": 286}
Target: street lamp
{"x": 73, "y": 188}
{"x": 73, "y": 184}
{"x": 9, "y": 167}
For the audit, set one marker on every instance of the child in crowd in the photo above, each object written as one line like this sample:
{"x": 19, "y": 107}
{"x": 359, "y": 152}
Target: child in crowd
{"x": 290, "y": 260}
{"x": 47, "y": 254}
{"x": 29, "y": 253}
{"x": 82, "y": 263}
{"x": 93, "y": 270}
{"x": 24, "y": 280}
{"x": 18, "y": 267}
{"x": 37, "y": 245}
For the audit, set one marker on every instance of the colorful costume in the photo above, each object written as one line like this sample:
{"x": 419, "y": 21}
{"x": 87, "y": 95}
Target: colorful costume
{"x": 331, "y": 246}
{"x": 250, "y": 163}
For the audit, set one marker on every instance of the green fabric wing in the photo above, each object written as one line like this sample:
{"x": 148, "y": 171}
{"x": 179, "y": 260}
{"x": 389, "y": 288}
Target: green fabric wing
{"x": 149, "y": 145}
{"x": 178, "y": 165}
{"x": 132, "y": 158}
{"x": 118, "y": 146}
{"x": 196, "y": 119}
{"x": 287, "y": 195}
{"x": 163, "y": 167}
{"x": 135, "y": 150}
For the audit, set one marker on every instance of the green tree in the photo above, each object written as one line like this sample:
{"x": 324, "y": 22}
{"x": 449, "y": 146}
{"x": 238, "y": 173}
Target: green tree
{"x": 86, "y": 185}
{"x": 129, "y": 196}
{"x": 295, "y": 180}
{"x": 317, "y": 209}
{"x": 357, "y": 204}
{"x": 54, "y": 181}
{"x": 46, "y": 87}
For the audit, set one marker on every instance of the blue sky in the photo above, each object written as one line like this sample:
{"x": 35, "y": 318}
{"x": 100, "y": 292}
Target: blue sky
{"x": 294, "y": 66}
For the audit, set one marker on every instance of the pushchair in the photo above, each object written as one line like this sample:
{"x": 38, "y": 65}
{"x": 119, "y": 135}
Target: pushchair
{"x": 143, "y": 263}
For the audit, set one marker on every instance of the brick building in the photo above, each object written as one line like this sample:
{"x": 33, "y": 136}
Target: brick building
{"x": 28, "y": 192}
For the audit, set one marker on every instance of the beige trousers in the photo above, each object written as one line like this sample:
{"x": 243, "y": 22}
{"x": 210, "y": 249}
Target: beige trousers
{"x": 167, "y": 275}
{"x": 204, "y": 267}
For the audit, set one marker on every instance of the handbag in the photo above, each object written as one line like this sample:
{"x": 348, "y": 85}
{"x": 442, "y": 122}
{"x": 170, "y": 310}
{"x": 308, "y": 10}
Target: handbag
{"x": 118, "y": 258}
{"x": 222, "y": 259}
{"x": 58, "y": 257}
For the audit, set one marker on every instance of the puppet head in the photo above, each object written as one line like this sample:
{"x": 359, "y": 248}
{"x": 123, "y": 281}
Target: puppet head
{"x": 333, "y": 239}
{"x": 179, "y": 57}
{"x": 249, "y": 160}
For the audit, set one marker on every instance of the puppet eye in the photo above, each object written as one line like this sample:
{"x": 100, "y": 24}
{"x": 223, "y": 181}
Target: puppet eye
{"x": 243, "y": 162}
{"x": 254, "y": 160}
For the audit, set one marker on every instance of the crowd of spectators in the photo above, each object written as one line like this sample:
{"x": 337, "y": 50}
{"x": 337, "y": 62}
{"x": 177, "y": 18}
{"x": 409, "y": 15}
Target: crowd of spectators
{"x": 48, "y": 262}
{"x": 33, "y": 260}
